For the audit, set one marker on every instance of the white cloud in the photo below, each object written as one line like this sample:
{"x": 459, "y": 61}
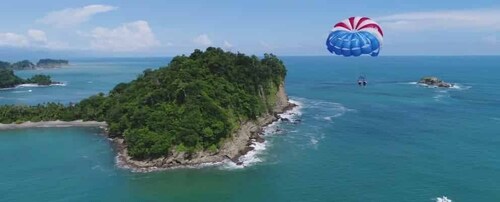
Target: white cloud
{"x": 129, "y": 37}
{"x": 477, "y": 19}
{"x": 12, "y": 39}
{"x": 33, "y": 39}
{"x": 227, "y": 45}
{"x": 74, "y": 16}
{"x": 202, "y": 40}
{"x": 37, "y": 35}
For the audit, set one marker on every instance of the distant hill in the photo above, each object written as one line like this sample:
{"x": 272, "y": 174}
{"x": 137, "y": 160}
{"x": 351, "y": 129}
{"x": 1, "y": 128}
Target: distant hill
{"x": 22, "y": 65}
{"x": 51, "y": 63}
{"x": 27, "y": 65}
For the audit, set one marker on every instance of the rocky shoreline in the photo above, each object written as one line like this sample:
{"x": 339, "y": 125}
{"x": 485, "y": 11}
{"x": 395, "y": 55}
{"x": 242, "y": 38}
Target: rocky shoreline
{"x": 238, "y": 145}
{"x": 434, "y": 82}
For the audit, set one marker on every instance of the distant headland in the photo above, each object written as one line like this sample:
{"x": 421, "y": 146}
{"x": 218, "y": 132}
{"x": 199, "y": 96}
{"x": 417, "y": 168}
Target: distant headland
{"x": 9, "y": 80}
{"x": 28, "y": 65}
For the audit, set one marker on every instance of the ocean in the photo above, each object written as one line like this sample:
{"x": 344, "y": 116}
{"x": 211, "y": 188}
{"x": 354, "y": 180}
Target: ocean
{"x": 392, "y": 140}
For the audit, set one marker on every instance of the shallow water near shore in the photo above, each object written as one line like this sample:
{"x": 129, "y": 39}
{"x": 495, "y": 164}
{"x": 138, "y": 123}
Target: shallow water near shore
{"x": 390, "y": 141}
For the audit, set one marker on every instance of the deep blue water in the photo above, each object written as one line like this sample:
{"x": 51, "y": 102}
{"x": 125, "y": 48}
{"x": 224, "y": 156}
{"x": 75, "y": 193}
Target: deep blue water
{"x": 390, "y": 141}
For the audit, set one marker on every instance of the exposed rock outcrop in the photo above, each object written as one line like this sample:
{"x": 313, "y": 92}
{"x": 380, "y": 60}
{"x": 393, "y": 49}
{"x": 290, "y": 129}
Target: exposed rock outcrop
{"x": 434, "y": 81}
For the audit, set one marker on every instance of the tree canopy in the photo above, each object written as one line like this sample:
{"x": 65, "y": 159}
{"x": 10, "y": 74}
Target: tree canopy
{"x": 192, "y": 104}
{"x": 8, "y": 79}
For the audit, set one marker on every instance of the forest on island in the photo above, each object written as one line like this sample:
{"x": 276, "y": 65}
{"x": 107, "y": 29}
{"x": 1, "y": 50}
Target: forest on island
{"x": 192, "y": 104}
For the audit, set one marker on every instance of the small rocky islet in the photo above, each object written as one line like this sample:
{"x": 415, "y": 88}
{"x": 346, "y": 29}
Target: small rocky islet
{"x": 434, "y": 82}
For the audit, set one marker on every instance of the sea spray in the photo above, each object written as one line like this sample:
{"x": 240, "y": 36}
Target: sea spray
{"x": 254, "y": 156}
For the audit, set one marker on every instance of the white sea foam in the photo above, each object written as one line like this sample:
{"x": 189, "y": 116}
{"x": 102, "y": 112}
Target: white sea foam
{"x": 314, "y": 141}
{"x": 460, "y": 87}
{"x": 58, "y": 84}
{"x": 255, "y": 156}
{"x": 294, "y": 113}
{"x": 456, "y": 86}
{"x": 27, "y": 85}
{"x": 439, "y": 97}
{"x": 22, "y": 91}
{"x": 328, "y": 110}
{"x": 252, "y": 156}
{"x": 443, "y": 199}
{"x": 31, "y": 85}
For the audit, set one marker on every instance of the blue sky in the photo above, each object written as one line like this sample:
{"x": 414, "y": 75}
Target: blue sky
{"x": 166, "y": 28}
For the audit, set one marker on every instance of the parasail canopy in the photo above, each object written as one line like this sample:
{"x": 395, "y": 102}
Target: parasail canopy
{"x": 355, "y": 36}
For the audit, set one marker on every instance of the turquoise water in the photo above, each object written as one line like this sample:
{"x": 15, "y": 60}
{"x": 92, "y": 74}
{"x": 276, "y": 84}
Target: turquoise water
{"x": 390, "y": 141}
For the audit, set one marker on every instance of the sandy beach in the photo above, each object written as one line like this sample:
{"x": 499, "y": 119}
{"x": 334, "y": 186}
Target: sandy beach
{"x": 46, "y": 124}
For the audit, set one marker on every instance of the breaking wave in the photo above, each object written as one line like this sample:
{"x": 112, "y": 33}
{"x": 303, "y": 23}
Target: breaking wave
{"x": 324, "y": 111}
{"x": 443, "y": 199}
{"x": 456, "y": 86}
{"x": 255, "y": 156}
{"x": 32, "y": 85}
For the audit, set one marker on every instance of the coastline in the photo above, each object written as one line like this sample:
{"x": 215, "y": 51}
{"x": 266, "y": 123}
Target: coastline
{"x": 53, "y": 124}
{"x": 239, "y": 144}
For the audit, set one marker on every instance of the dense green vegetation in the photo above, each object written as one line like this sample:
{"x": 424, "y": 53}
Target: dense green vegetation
{"x": 8, "y": 79}
{"x": 4, "y": 65}
{"x": 23, "y": 65}
{"x": 192, "y": 104}
{"x": 51, "y": 63}
{"x": 40, "y": 79}
{"x": 27, "y": 65}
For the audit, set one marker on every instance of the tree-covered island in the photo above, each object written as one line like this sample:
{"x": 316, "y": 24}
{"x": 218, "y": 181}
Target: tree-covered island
{"x": 9, "y": 80}
{"x": 194, "y": 110}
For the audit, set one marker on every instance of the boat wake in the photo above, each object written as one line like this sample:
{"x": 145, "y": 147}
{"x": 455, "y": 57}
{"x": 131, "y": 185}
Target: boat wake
{"x": 327, "y": 111}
